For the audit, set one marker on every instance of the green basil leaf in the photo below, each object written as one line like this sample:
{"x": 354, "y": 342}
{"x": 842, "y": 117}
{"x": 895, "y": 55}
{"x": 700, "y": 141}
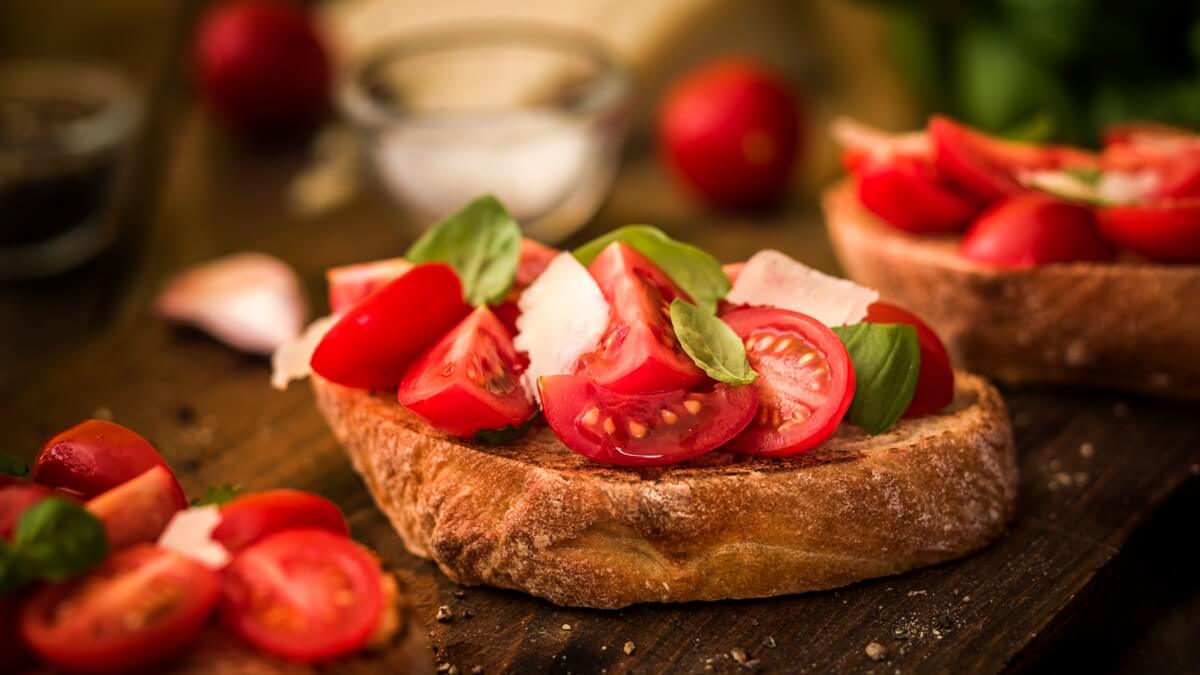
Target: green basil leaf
{"x": 218, "y": 495}
{"x": 13, "y": 465}
{"x": 60, "y": 539}
{"x": 1088, "y": 175}
{"x": 482, "y": 242}
{"x": 711, "y": 343}
{"x": 695, "y": 270}
{"x": 887, "y": 361}
{"x": 505, "y": 435}
{"x": 14, "y": 570}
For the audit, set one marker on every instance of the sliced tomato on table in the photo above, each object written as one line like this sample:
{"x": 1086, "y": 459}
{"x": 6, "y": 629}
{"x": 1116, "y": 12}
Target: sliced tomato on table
{"x": 372, "y": 344}
{"x": 470, "y": 380}
{"x": 1034, "y": 229}
{"x": 135, "y": 610}
{"x": 138, "y": 510}
{"x": 935, "y": 383}
{"x": 1166, "y": 231}
{"x": 805, "y": 380}
{"x": 306, "y": 595}
{"x": 535, "y": 257}
{"x": 248, "y": 519}
{"x": 639, "y": 352}
{"x": 907, "y": 194}
{"x": 351, "y": 284}
{"x": 96, "y": 456}
{"x": 644, "y": 429}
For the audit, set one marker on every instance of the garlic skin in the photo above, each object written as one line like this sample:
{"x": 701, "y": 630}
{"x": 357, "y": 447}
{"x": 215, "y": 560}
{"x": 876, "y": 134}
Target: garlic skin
{"x": 291, "y": 360}
{"x": 250, "y": 301}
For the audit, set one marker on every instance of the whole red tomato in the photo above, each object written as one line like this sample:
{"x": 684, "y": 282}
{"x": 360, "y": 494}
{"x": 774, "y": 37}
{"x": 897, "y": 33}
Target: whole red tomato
{"x": 730, "y": 130}
{"x": 263, "y": 68}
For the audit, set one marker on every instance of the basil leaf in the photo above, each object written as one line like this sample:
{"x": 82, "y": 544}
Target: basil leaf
{"x": 711, "y": 343}
{"x": 887, "y": 361}
{"x": 1088, "y": 175}
{"x": 695, "y": 270}
{"x": 60, "y": 539}
{"x": 482, "y": 242}
{"x": 13, "y": 466}
{"x": 505, "y": 435}
{"x": 14, "y": 570}
{"x": 218, "y": 495}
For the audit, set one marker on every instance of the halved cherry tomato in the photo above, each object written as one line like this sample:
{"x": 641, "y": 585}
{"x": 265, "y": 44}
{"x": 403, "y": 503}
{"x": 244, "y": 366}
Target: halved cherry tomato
{"x": 1034, "y": 229}
{"x": 469, "y": 380}
{"x": 644, "y": 429}
{"x": 805, "y": 380}
{"x": 907, "y": 194}
{"x": 935, "y": 383}
{"x": 639, "y": 352}
{"x": 351, "y": 284}
{"x": 248, "y": 519}
{"x": 95, "y": 456}
{"x": 305, "y": 595}
{"x": 370, "y": 347}
{"x": 136, "y": 609}
{"x": 138, "y": 510}
{"x": 535, "y": 257}
{"x": 15, "y": 497}
{"x": 1167, "y": 231}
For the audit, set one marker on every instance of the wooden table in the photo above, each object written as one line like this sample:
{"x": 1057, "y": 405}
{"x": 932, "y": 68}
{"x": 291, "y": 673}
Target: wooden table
{"x": 1097, "y": 571}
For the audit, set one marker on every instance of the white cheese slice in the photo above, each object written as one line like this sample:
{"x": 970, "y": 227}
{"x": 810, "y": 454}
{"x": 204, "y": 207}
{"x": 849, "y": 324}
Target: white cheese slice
{"x": 772, "y": 279}
{"x": 290, "y": 360}
{"x": 563, "y": 316}
{"x": 1113, "y": 187}
{"x": 190, "y": 534}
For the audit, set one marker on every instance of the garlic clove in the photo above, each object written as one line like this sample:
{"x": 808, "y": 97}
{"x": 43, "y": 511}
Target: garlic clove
{"x": 291, "y": 360}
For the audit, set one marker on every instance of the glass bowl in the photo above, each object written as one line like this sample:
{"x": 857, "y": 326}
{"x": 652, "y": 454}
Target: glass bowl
{"x": 530, "y": 113}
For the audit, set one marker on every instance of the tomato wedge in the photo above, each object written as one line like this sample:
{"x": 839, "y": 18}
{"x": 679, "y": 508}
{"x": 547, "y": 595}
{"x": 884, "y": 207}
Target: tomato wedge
{"x": 805, "y": 380}
{"x": 644, "y": 429}
{"x": 248, "y": 519}
{"x": 96, "y": 456}
{"x": 305, "y": 595}
{"x": 351, "y": 284}
{"x": 136, "y": 609}
{"x": 469, "y": 380}
{"x": 1166, "y": 231}
{"x": 639, "y": 352}
{"x": 935, "y": 383}
{"x": 1033, "y": 229}
{"x": 907, "y": 194}
{"x": 371, "y": 345}
{"x": 138, "y": 510}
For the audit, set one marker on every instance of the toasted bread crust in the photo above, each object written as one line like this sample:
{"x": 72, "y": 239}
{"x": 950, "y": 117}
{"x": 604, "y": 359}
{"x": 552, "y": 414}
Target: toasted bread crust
{"x": 536, "y": 517}
{"x": 1132, "y": 326}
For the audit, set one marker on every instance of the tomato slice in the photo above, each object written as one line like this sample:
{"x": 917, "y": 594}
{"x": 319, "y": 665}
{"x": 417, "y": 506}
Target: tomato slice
{"x": 907, "y": 194}
{"x": 805, "y": 380}
{"x": 351, "y": 284}
{"x": 535, "y": 258}
{"x": 134, "y": 610}
{"x": 96, "y": 456}
{"x": 935, "y": 382}
{"x": 374, "y": 342}
{"x": 138, "y": 510}
{"x": 15, "y": 497}
{"x": 644, "y": 429}
{"x": 639, "y": 352}
{"x": 864, "y": 145}
{"x": 305, "y": 595}
{"x": 1171, "y": 155}
{"x": 248, "y": 519}
{"x": 1166, "y": 231}
{"x": 469, "y": 380}
{"x": 1033, "y": 229}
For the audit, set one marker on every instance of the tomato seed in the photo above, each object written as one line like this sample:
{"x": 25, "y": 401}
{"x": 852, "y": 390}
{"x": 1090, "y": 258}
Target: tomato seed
{"x": 783, "y": 345}
{"x": 765, "y": 343}
{"x": 637, "y": 430}
{"x": 609, "y": 426}
{"x": 693, "y": 406}
{"x": 806, "y": 358}
{"x": 591, "y": 417}
{"x": 668, "y": 416}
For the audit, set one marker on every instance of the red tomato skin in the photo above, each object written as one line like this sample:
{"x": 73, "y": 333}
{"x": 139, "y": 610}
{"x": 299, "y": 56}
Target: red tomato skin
{"x": 351, "y": 284}
{"x": 767, "y": 437}
{"x": 247, "y": 520}
{"x": 1166, "y": 231}
{"x": 15, "y": 497}
{"x": 348, "y": 635}
{"x": 95, "y": 456}
{"x": 138, "y": 510}
{"x": 263, "y": 68}
{"x": 76, "y": 649}
{"x": 935, "y": 383}
{"x": 371, "y": 345}
{"x": 907, "y": 195}
{"x": 730, "y": 131}
{"x": 1034, "y": 229}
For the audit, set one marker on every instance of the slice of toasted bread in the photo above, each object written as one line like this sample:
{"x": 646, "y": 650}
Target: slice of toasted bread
{"x": 1124, "y": 325}
{"x": 537, "y": 517}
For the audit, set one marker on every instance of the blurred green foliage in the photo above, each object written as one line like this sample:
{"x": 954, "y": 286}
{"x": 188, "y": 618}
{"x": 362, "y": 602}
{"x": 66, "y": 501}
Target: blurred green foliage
{"x": 1052, "y": 69}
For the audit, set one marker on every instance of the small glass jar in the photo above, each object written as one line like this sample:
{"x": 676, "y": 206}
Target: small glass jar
{"x": 62, "y": 131}
{"x": 530, "y": 113}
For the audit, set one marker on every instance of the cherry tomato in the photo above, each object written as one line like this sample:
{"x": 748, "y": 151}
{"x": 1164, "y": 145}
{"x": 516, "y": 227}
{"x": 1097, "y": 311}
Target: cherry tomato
{"x": 15, "y": 497}
{"x": 1033, "y": 229}
{"x": 248, "y": 519}
{"x": 987, "y": 167}
{"x": 730, "y": 131}
{"x": 305, "y": 595}
{"x": 805, "y": 380}
{"x": 644, "y": 429}
{"x": 350, "y": 284}
{"x": 907, "y": 194}
{"x": 1166, "y": 231}
{"x": 263, "y": 68}
{"x": 639, "y": 351}
{"x": 136, "y": 609}
{"x": 535, "y": 257}
{"x": 470, "y": 380}
{"x": 138, "y": 510}
{"x": 373, "y": 343}
{"x": 95, "y": 456}
{"x": 935, "y": 383}
{"x": 1171, "y": 155}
